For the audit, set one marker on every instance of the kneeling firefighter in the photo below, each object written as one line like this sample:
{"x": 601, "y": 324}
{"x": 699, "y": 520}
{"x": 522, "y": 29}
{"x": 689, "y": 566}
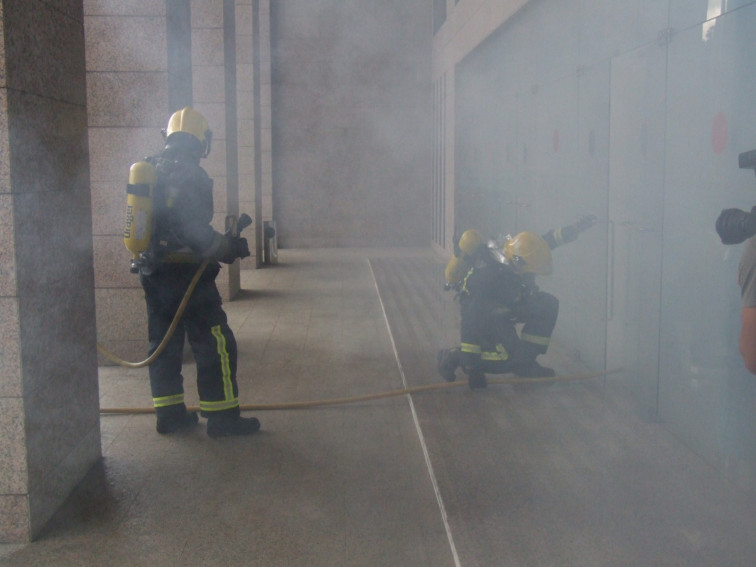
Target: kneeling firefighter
{"x": 171, "y": 238}
{"x": 495, "y": 285}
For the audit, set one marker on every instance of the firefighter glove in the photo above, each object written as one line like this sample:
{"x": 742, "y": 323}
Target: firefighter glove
{"x": 236, "y": 247}
{"x": 585, "y": 222}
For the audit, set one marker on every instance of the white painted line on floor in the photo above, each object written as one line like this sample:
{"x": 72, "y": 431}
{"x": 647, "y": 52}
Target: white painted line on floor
{"x": 432, "y": 474}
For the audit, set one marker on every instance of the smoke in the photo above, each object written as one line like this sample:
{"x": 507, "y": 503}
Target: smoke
{"x": 352, "y": 123}
{"x": 562, "y": 112}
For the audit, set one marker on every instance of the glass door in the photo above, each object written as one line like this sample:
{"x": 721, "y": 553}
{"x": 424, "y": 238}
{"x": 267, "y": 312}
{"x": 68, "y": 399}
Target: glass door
{"x": 635, "y": 213}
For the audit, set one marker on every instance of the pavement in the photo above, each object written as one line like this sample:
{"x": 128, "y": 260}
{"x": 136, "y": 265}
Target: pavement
{"x": 564, "y": 473}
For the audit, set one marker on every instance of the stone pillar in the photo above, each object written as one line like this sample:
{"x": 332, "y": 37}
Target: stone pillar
{"x": 49, "y": 408}
{"x": 214, "y": 92}
{"x": 266, "y": 104}
{"x": 254, "y": 98}
{"x": 245, "y": 115}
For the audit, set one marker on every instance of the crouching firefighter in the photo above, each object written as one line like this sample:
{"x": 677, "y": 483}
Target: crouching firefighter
{"x": 497, "y": 293}
{"x": 170, "y": 208}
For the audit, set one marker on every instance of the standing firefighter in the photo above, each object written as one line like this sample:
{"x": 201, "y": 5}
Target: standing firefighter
{"x": 497, "y": 291}
{"x": 180, "y": 238}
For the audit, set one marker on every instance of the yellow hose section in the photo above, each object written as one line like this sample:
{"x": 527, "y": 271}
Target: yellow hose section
{"x": 368, "y": 397}
{"x": 161, "y": 347}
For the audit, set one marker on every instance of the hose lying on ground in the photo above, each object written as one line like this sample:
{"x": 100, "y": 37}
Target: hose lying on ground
{"x": 368, "y": 397}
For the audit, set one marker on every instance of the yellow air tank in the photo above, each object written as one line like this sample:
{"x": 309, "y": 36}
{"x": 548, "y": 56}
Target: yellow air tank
{"x": 138, "y": 229}
{"x": 456, "y": 269}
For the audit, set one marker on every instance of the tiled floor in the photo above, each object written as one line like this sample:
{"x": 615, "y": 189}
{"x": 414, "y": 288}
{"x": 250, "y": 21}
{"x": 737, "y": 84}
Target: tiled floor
{"x": 512, "y": 475}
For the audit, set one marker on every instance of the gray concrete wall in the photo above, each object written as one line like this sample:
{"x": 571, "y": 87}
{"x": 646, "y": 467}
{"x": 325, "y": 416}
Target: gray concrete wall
{"x": 49, "y": 408}
{"x": 351, "y": 122}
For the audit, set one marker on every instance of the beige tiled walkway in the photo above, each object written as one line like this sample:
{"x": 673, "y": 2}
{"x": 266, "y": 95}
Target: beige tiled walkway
{"x": 563, "y": 475}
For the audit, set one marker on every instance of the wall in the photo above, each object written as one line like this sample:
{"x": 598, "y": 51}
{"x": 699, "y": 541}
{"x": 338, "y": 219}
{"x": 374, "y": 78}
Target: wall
{"x": 635, "y": 111}
{"x": 351, "y": 122}
{"x": 49, "y": 410}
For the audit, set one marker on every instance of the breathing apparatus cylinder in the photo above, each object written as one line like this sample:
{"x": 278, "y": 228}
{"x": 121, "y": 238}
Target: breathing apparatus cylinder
{"x": 455, "y": 270}
{"x": 138, "y": 228}
{"x": 469, "y": 245}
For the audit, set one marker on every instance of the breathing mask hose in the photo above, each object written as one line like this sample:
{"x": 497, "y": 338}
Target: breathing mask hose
{"x": 176, "y": 318}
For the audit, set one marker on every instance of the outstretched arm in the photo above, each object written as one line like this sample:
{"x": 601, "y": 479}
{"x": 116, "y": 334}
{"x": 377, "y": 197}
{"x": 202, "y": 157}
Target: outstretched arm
{"x": 558, "y": 236}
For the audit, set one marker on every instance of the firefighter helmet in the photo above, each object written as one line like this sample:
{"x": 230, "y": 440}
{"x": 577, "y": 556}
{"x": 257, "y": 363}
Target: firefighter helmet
{"x": 471, "y": 242}
{"x": 188, "y": 121}
{"x": 528, "y": 253}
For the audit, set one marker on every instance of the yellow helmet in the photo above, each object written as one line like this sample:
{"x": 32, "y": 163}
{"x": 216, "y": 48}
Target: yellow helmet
{"x": 471, "y": 241}
{"x": 528, "y": 253}
{"x": 189, "y": 121}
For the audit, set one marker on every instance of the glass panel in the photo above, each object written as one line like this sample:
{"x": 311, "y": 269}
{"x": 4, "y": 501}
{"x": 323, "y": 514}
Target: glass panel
{"x": 705, "y": 394}
{"x": 580, "y": 267}
{"x": 563, "y": 176}
{"x": 635, "y": 220}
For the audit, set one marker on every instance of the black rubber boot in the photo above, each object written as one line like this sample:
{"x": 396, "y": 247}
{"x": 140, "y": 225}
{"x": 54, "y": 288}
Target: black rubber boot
{"x": 476, "y": 379}
{"x": 230, "y": 425}
{"x": 524, "y": 362}
{"x": 533, "y": 370}
{"x": 447, "y": 361}
{"x": 172, "y": 420}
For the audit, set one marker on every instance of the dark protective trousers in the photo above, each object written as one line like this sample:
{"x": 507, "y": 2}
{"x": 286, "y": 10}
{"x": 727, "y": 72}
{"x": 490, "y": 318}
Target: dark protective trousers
{"x": 205, "y": 325}
{"x": 489, "y": 341}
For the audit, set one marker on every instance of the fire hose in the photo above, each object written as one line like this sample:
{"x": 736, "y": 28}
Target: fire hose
{"x": 381, "y": 395}
{"x": 161, "y": 347}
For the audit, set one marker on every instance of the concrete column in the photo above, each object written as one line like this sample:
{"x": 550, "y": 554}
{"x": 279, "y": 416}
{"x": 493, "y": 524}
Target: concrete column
{"x": 245, "y": 115}
{"x": 49, "y": 410}
{"x": 214, "y": 91}
{"x": 254, "y": 112}
{"x": 266, "y": 104}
